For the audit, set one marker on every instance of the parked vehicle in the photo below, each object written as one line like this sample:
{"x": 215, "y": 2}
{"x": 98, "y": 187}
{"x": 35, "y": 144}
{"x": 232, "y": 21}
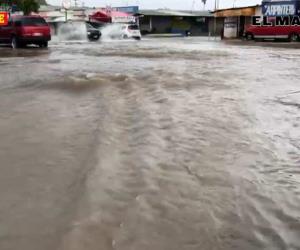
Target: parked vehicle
{"x": 131, "y": 31}
{"x": 23, "y": 30}
{"x": 291, "y": 33}
{"x": 93, "y": 34}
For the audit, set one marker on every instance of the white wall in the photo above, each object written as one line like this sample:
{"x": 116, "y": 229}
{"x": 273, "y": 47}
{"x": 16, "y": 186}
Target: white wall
{"x": 230, "y": 27}
{"x": 258, "y": 11}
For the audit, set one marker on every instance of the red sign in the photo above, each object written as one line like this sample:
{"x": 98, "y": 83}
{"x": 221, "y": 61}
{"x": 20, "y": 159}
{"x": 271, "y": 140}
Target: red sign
{"x": 3, "y": 18}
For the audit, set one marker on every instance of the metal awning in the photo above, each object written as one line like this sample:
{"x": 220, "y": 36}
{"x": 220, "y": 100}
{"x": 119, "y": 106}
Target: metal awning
{"x": 242, "y": 11}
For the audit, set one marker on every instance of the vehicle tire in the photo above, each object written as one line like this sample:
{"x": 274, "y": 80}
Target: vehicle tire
{"x": 294, "y": 37}
{"x": 137, "y": 38}
{"x": 249, "y": 37}
{"x": 43, "y": 45}
{"x": 15, "y": 44}
{"x": 125, "y": 37}
{"x": 94, "y": 39}
{"x": 259, "y": 39}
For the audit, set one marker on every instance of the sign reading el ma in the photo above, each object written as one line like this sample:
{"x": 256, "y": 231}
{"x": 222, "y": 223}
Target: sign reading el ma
{"x": 3, "y": 18}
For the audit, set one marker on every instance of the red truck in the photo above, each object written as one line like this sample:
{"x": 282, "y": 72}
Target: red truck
{"x": 291, "y": 33}
{"x": 23, "y": 30}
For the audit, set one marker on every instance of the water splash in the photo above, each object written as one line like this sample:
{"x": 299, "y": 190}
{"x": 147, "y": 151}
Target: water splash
{"x": 72, "y": 31}
{"x": 112, "y": 32}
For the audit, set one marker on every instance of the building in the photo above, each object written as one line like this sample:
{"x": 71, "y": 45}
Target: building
{"x": 55, "y": 15}
{"x": 58, "y": 14}
{"x": 197, "y": 23}
{"x": 104, "y": 16}
{"x": 236, "y": 20}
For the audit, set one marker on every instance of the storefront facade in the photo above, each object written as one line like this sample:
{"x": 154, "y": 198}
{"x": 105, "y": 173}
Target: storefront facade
{"x": 175, "y": 22}
{"x": 236, "y": 20}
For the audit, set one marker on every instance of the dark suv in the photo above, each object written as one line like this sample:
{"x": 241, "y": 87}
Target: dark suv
{"x": 23, "y": 30}
{"x": 93, "y": 34}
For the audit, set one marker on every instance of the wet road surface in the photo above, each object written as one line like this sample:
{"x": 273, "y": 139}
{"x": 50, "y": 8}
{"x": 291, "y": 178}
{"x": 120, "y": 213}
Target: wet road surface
{"x": 165, "y": 144}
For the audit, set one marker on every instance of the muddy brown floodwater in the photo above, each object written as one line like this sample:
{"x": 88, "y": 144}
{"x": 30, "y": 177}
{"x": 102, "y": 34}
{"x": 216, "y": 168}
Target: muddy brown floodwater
{"x": 163, "y": 144}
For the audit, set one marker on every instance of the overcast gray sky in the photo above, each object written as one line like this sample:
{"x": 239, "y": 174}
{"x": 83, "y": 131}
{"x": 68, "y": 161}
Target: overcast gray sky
{"x": 171, "y": 4}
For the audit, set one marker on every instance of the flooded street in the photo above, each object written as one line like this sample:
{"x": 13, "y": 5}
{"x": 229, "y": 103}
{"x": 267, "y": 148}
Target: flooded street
{"x": 163, "y": 144}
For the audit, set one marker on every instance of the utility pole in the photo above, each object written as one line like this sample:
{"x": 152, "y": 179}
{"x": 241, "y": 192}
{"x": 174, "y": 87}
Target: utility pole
{"x": 193, "y": 5}
{"x": 234, "y": 3}
{"x": 66, "y": 5}
{"x": 204, "y": 3}
{"x": 215, "y": 18}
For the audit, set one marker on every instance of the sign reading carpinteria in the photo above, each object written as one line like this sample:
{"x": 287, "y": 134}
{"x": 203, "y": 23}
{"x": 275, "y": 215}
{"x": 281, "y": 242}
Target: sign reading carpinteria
{"x": 3, "y": 18}
{"x": 278, "y": 13}
{"x": 280, "y": 8}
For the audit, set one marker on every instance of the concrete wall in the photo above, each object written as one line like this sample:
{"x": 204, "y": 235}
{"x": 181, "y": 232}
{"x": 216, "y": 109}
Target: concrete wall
{"x": 230, "y": 27}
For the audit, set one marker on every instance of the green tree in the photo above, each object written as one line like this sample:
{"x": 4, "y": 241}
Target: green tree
{"x": 28, "y": 6}
{"x": 42, "y": 2}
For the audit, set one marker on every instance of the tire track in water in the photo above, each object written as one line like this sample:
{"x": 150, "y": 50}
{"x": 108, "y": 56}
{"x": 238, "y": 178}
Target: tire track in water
{"x": 140, "y": 193}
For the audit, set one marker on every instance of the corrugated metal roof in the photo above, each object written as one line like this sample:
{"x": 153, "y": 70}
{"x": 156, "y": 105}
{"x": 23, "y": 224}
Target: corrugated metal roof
{"x": 168, "y": 12}
{"x": 57, "y": 8}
